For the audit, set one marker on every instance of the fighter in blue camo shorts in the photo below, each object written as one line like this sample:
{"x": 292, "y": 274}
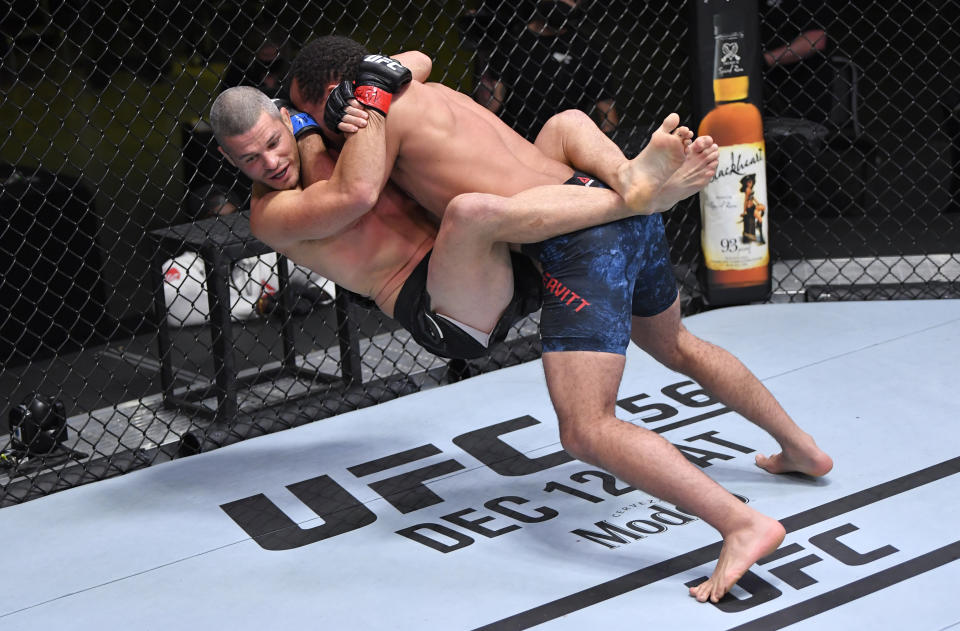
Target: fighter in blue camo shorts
{"x": 595, "y": 279}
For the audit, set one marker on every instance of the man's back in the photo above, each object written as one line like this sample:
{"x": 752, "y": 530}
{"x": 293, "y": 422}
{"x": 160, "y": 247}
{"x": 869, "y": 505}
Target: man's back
{"x": 447, "y": 144}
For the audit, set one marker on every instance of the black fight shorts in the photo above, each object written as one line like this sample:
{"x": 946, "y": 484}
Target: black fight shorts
{"x": 444, "y": 338}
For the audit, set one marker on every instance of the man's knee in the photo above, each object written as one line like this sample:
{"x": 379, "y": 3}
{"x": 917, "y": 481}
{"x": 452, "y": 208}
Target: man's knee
{"x": 568, "y": 120}
{"x": 472, "y": 214}
{"x": 573, "y": 440}
{"x": 578, "y": 437}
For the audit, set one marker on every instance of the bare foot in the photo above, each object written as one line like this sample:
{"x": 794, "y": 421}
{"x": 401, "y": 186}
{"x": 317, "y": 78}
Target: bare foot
{"x": 808, "y": 459}
{"x": 641, "y": 179}
{"x": 741, "y": 549}
{"x": 699, "y": 165}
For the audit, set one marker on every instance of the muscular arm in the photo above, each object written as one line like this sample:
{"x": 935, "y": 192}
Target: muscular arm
{"x": 371, "y": 175}
{"x": 321, "y": 206}
{"x": 419, "y": 64}
{"x": 364, "y": 166}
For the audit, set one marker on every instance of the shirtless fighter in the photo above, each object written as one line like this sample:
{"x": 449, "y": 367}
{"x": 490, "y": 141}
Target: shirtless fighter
{"x": 387, "y": 252}
{"x": 448, "y": 152}
{"x": 458, "y": 291}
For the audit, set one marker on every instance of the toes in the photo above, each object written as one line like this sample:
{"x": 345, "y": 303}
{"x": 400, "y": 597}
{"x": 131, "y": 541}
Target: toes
{"x": 718, "y": 592}
{"x": 706, "y": 146}
{"x": 697, "y": 591}
{"x": 702, "y": 591}
{"x": 670, "y": 122}
{"x": 765, "y": 463}
{"x": 702, "y": 143}
{"x": 704, "y": 594}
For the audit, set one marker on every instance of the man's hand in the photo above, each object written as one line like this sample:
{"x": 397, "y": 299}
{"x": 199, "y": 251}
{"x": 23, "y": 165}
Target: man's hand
{"x": 336, "y": 108}
{"x": 342, "y": 111}
{"x": 354, "y": 118}
{"x": 378, "y": 78}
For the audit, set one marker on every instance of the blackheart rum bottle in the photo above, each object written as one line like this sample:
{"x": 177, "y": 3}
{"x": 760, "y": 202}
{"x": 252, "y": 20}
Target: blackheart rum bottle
{"x": 733, "y": 206}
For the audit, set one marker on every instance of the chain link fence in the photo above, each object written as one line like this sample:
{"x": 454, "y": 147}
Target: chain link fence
{"x": 140, "y": 321}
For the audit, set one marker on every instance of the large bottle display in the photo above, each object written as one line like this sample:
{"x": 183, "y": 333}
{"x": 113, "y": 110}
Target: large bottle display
{"x": 734, "y": 212}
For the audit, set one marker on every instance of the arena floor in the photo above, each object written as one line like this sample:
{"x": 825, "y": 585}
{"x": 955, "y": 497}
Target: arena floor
{"x": 455, "y": 508}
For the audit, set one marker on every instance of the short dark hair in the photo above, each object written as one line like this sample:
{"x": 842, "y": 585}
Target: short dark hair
{"x": 326, "y": 60}
{"x": 237, "y": 110}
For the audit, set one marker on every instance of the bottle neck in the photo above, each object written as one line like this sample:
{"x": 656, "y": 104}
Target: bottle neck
{"x": 731, "y": 89}
{"x": 731, "y": 78}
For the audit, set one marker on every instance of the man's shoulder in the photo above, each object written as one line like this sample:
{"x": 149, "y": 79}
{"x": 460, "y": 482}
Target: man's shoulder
{"x": 417, "y": 107}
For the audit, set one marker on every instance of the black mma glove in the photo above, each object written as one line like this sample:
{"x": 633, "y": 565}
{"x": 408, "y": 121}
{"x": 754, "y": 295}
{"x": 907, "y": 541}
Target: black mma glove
{"x": 377, "y": 79}
{"x": 334, "y": 111}
{"x": 303, "y": 123}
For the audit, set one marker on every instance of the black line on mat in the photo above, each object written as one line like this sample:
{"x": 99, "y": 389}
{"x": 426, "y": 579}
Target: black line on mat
{"x": 852, "y": 591}
{"x": 692, "y": 420}
{"x": 684, "y": 562}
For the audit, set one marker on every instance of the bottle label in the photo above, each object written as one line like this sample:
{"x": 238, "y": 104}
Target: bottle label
{"x": 730, "y": 77}
{"x": 733, "y": 210}
{"x": 729, "y": 55}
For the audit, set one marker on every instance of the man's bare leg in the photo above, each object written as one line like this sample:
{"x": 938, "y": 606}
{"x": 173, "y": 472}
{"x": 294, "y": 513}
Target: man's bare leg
{"x": 573, "y": 138}
{"x": 666, "y": 339}
{"x": 583, "y": 389}
{"x": 469, "y": 279}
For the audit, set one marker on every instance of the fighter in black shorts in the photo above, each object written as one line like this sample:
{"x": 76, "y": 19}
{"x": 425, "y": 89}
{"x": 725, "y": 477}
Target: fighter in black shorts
{"x": 445, "y": 336}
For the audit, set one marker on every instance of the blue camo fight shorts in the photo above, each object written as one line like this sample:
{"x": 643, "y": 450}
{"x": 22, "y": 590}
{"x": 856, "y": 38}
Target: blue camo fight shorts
{"x": 595, "y": 279}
